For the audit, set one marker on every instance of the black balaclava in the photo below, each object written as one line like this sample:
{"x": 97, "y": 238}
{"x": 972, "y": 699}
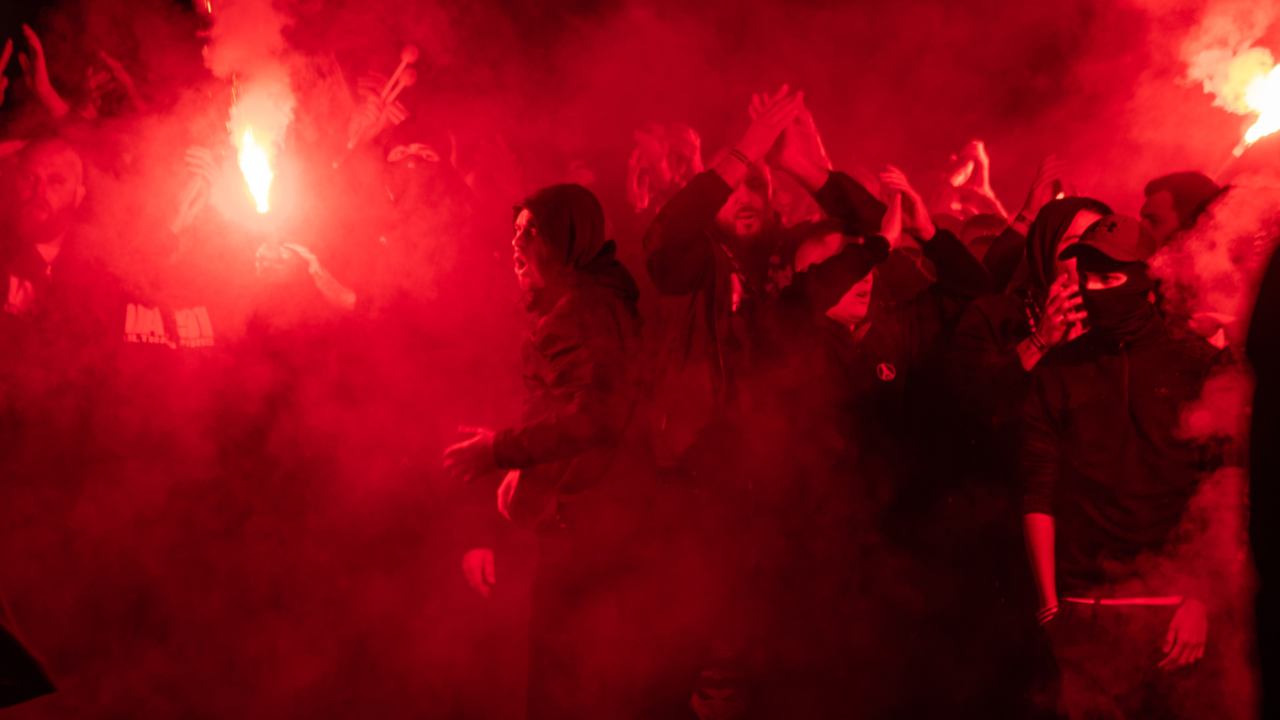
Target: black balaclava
{"x": 1122, "y": 312}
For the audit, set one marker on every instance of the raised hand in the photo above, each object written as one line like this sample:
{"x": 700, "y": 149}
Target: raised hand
{"x": 891, "y": 224}
{"x": 800, "y": 151}
{"x": 916, "y": 216}
{"x": 770, "y": 115}
{"x": 1047, "y": 186}
{"x": 35, "y": 71}
{"x": 122, "y": 79}
{"x": 203, "y": 168}
{"x": 1063, "y": 311}
{"x": 6, "y": 54}
{"x": 973, "y": 180}
{"x": 374, "y": 114}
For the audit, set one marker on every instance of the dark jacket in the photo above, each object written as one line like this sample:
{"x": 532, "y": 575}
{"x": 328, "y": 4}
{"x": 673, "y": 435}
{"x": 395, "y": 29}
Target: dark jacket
{"x": 703, "y": 348}
{"x": 1100, "y": 451}
{"x": 984, "y": 371}
{"x": 1003, "y": 257}
{"x": 882, "y": 384}
{"x": 1263, "y": 347}
{"x": 579, "y": 366}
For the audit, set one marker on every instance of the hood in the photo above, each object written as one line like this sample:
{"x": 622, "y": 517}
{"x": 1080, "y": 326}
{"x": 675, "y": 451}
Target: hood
{"x": 570, "y": 221}
{"x": 1045, "y": 234}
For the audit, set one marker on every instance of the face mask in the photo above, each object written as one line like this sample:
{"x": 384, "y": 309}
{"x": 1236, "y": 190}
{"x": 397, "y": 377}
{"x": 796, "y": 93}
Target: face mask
{"x": 1121, "y": 312}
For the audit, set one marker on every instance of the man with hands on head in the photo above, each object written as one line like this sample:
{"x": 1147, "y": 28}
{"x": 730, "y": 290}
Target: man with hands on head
{"x": 719, "y": 258}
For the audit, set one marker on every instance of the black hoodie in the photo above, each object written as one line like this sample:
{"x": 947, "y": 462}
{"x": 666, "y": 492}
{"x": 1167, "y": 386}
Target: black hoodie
{"x": 984, "y": 369}
{"x": 579, "y": 369}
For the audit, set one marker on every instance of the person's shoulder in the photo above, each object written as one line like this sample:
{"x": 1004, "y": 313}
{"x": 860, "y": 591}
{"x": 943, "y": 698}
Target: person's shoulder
{"x": 580, "y": 313}
{"x": 1069, "y": 357}
{"x": 996, "y": 305}
{"x": 1186, "y": 342}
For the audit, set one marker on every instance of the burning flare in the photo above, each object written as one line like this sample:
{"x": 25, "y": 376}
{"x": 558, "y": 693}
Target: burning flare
{"x": 1263, "y": 97}
{"x": 258, "y": 123}
{"x": 255, "y": 165}
{"x": 1245, "y": 82}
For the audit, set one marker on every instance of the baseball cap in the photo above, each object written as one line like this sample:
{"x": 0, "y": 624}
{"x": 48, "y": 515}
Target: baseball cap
{"x": 1118, "y": 237}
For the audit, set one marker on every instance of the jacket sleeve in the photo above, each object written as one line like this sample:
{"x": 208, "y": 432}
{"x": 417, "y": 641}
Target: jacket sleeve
{"x": 584, "y": 347}
{"x": 983, "y": 367}
{"x": 825, "y": 283}
{"x": 678, "y": 247}
{"x": 1003, "y": 257}
{"x": 1040, "y": 453}
{"x": 958, "y": 271}
{"x": 1263, "y": 343}
{"x": 844, "y": 199}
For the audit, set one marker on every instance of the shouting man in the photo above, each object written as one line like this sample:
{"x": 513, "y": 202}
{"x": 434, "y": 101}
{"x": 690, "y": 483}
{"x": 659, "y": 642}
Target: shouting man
{"x": 569, "y": 474}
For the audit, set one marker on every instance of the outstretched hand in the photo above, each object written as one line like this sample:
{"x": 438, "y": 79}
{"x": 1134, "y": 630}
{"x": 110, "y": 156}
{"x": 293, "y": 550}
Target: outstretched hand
{"x": 472, "y": 458}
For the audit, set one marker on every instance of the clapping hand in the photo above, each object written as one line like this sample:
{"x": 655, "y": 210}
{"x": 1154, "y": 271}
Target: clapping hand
{"x": 915, "y": 214}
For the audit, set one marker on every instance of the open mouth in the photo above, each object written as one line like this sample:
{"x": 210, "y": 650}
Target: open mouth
{"x": 520, "y": 263}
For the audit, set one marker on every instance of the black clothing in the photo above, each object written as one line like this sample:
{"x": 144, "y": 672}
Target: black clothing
{"x": 708, "y": 336}
{"x": 1003, "y": 257}
{"x": 584, "y": 480}
{"x": 582, "y": 387}
{"x": 1108, "y": 658}
{"x": 1100, "y": 451}
{"x": 724, "y": 437}
{"x": 21, "y": 677}
{"x": 983, "y": 367}
{"x": 1263, "y": 349}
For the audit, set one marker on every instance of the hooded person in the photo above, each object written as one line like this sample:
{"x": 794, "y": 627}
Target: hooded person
{"x": 1126, "y": 595}
{"x": 987, "y": 368}
{"x": 21, "y": 676}
{"x": 1173, "y": 203}
{"x": 573, "y": 474}
{"x": 1263, "y": 349}
{"x": 1001, "y": 337}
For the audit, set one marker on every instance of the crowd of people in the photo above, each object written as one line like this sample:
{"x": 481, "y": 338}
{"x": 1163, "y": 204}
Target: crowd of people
{"x": 795, "y": 442}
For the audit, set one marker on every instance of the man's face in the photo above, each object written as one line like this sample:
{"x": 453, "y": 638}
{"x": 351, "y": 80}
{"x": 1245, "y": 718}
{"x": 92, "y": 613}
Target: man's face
{"x": 1160, "y": 216}
{"x": 746, "y": 212}
{"x": 529, "y": 253}
{"x": 50, "y": 187}
{"x": 1079, "y": 224}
